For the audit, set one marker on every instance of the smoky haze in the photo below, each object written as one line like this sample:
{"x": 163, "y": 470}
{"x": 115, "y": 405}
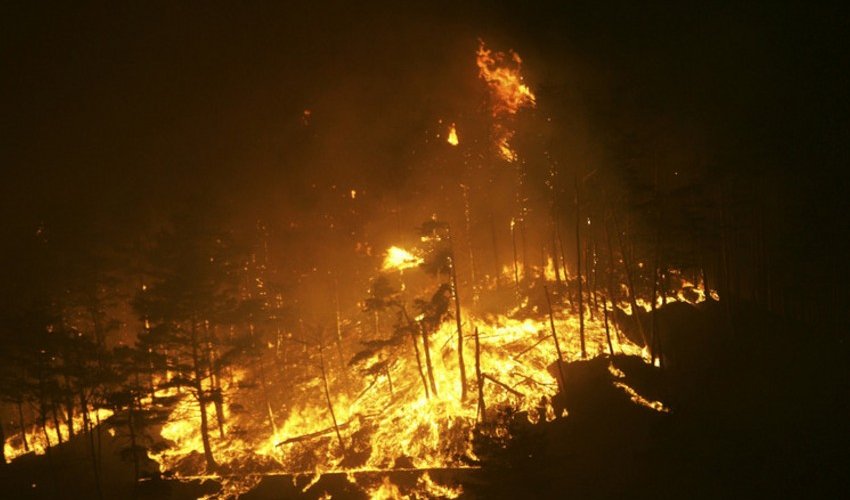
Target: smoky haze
{"x": 118, "y": 116}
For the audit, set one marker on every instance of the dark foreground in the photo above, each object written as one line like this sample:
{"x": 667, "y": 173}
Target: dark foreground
{"x": 756, "y": 411}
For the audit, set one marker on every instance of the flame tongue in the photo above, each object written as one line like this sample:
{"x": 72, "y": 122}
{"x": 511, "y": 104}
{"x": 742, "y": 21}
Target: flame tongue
{"x": 502, "y": 72}
{"x": 508, "y": 94}
{"x": 400, "y": 259}
{"x": 452, "y": 138}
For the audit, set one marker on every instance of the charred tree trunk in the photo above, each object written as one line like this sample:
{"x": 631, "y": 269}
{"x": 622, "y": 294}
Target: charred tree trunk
{"x": 578, "y": 273}
{"x": 69, "y": 407}
{"x": 56, "y": 423}
{"x": 131, "y": 426}
{"x": 87, "y": 427}
{"x": 202, "y": 400}
{"x": 555, "y": 338}
{"x": 21, "y": 425}
{"x": 99, "y": 440}
{"x": 458, "y": 321}
{"x": 426, "y": 345}
{"x": 328, "y": 397}
{"x": 482, "y": 409}
{"x": 631, "y": 284}
{"x": 214, "y": 372}
{"x": 607, "y": 330}
{"x": 412, "y": 329}
{"x": 266, "y": 400}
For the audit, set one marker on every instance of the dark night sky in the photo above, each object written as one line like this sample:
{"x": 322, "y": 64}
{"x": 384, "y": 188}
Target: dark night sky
{"x": 112, "y": 110}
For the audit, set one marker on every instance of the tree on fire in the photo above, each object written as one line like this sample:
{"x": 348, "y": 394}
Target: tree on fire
{"x": 55, "y": 322}
{"x": 440, "y": 261}
{"x": 194, "y": 292}
{"x": 127, "y": 388}
{"x": 384, "y": 297}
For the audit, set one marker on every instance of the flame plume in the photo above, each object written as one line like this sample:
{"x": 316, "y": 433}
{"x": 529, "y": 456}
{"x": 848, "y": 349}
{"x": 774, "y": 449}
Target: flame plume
{"x": 508, "y": 94}
{"x": 400, "y": 259}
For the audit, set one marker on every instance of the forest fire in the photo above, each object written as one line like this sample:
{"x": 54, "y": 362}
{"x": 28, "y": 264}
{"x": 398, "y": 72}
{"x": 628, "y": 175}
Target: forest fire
{"x": 408, "y": 252}
{"x": 392, "y": 420}
{"x": 405, "y": 384}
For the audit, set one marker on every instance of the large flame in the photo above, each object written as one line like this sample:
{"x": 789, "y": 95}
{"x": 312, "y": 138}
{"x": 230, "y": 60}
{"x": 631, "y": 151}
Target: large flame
{"x": 387, "y": 418}
{"x": 508, "y": 94}
{"x": 503, "y": 75}
{"x": 400, "y": 259}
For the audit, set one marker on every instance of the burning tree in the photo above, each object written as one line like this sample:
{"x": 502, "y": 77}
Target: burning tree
{"x": 193, "y": 292}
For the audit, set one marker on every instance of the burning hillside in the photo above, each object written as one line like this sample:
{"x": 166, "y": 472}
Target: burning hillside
{"x": 413, "y": 258}
{"x": 397, "y": 405}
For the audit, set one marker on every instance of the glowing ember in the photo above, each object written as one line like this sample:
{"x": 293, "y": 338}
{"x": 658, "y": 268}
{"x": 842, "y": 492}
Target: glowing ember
{"x": 452, "y": 138}
{"x": 400, "y": 259}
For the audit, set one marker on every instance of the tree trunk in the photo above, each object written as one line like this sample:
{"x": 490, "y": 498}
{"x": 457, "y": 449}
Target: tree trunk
{"x": 202, "y": 401}
{"x": 56, "y": 424}
{"x": 578, "y": 273}
{"x": 97, "y": 431}
{"x": 215, "y": 379}
{"x": 607, "y": 330}
{"x": 482, "y": 409}
{"x": 131, "y": 425}
{"x": 21, "y": 424}
{"x": 87, "y": 428}
{"x": 69, "y": 407}
{"x": 631, "y": 284}
{"x": 266, "y": 399}
{"x": 555, "y": 338}
{"x": 328, "y": 397}
{"x": 426, "y": 345}
{"x": 412, "y": 328}
{"x": 458, "y": 321}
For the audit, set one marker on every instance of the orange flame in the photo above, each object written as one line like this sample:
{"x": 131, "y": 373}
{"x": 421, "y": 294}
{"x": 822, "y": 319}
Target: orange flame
{"x": 502, "y": 74}
{"x": 452, "y": 139}
{"x": 508, "y": 94}
{"x": 400, "y": 259}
